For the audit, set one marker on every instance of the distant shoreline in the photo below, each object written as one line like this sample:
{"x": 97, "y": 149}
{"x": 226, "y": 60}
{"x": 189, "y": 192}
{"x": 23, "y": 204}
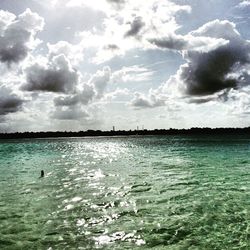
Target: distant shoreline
{"x": 99, "y": 133}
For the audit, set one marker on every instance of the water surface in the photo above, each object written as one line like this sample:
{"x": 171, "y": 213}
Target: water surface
{"x": 159, "y": 192}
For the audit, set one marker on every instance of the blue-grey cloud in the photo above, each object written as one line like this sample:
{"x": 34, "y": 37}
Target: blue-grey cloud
{"x": 57, "y": 76}
{"x": 135, "y": 27}
{"x": 209, "y": 67}
{"x": 71, "y": 113}
{"x": 170, "y": 42}
{"x": 9, "y": 102}
{"x": 16, "y": 34}
{"x": 209, "y": 72}
{"x": 117, "y": 3}
{"x": 141, "y": 101}
{"x": 94, "y": 89}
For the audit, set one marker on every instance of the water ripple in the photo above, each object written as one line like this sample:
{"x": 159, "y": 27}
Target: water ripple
{"x": 125, "y": 193}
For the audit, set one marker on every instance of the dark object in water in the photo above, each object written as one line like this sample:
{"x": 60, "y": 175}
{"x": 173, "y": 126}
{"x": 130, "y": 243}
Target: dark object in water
{"x": 42, "y": 174}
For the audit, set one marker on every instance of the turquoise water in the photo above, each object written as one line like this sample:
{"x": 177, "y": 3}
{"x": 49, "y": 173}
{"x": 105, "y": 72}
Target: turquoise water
{"x": 172, "y": 192}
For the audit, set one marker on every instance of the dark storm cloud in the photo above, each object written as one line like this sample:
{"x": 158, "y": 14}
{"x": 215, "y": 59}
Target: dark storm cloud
{"x": 135, "y": 27}
{"x": 9, "y": 102}
{"x": 57, "y": 76}
{"x": 215, "y": 55}
{"x": 217, "y": 61}
{"x": 16, "y": 34}
{"x": 209, "y": 72}
{"x": 13, "y": 47}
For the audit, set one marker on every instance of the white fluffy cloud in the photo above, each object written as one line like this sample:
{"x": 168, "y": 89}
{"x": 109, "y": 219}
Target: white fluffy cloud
{"x": 73, "y": 52}
{"x": 100, "y": 80}
{"x": 238, "y": 103}
{"x": 132, "y": 26}
{"x": 244, "y": 3}
{"x": 154, "y": 99}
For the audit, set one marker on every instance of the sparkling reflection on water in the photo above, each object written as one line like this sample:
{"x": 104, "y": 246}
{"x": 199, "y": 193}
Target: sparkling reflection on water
{"x": 125, "y": 193}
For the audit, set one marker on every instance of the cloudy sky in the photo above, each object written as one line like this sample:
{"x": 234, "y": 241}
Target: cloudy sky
{"x": 80, "y": 64}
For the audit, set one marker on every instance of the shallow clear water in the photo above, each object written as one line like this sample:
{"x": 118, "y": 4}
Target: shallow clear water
{"x": 172, "y": 192}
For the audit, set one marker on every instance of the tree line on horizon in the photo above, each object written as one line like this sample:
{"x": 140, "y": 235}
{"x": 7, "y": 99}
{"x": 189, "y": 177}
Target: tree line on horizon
{"x": 171, "y": 131}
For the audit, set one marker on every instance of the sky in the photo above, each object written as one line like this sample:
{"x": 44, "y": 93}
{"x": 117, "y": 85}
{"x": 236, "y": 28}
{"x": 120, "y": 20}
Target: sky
{"x": 70, "y": 65}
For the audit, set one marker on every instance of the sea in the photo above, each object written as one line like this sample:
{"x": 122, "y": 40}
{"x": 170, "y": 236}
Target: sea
{"x": 135, "y": 192}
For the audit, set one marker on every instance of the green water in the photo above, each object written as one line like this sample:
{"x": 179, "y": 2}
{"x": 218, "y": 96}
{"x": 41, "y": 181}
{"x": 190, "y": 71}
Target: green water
{"x": 172, "y": 192}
